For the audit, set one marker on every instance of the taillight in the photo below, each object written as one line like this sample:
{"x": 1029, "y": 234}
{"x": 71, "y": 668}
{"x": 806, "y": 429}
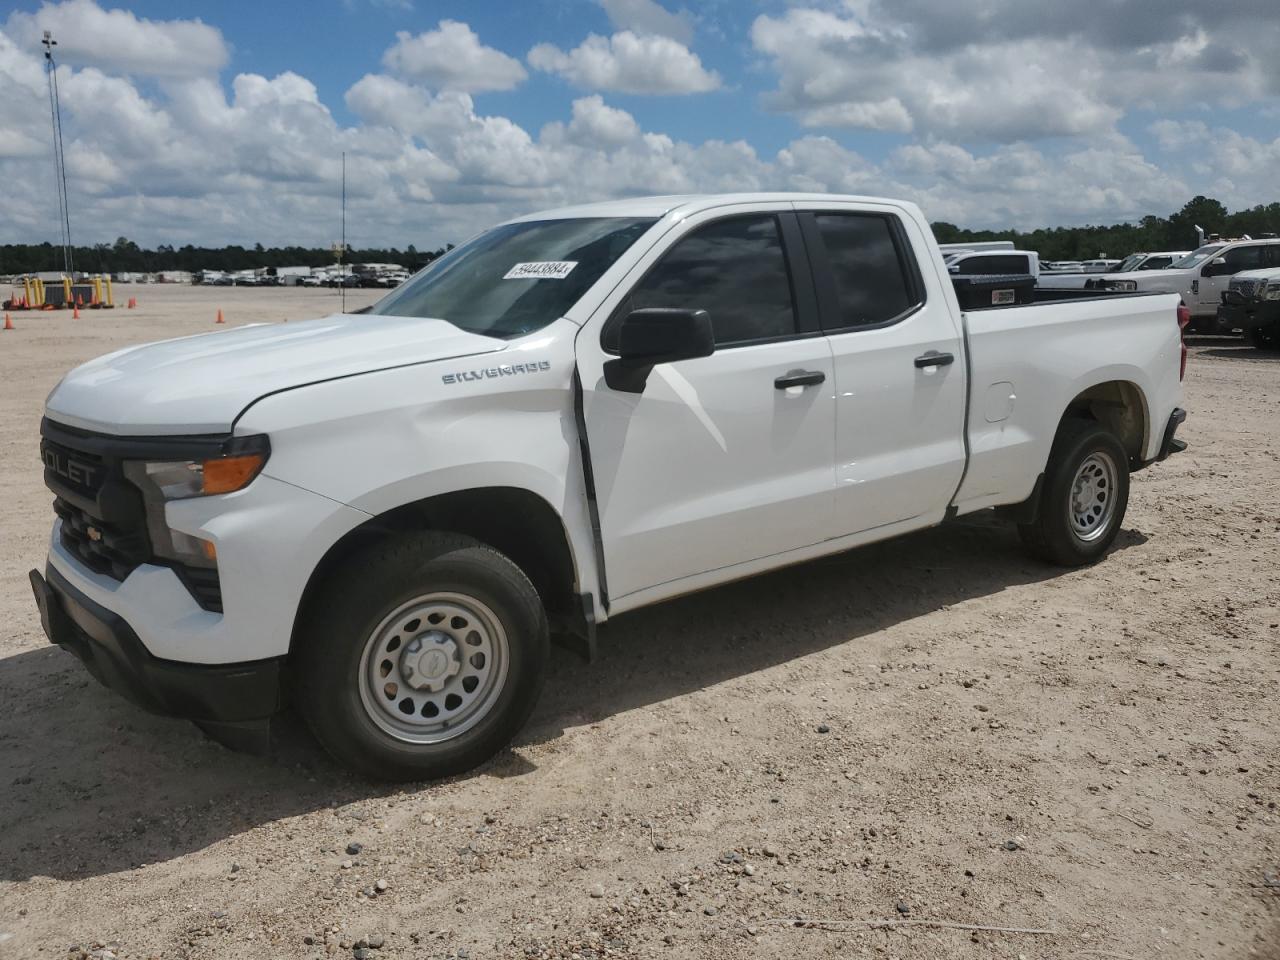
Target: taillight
{"x": 1184, "y": 319}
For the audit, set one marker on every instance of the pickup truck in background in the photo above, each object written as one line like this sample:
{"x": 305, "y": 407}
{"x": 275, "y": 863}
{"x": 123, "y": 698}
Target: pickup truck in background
{"x": 1251, "y": 304}
{"x": 1199, "y": 278}
{"x": 1003, "y": 262}
{"x": 1062, "y": 280}
{"x": 381, "y": 519}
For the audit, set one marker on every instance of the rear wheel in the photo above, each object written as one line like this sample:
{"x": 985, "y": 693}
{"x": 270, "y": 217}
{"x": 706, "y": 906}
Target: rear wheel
{"x": 1084, "y": 496}
{"x": 422, "y": 657}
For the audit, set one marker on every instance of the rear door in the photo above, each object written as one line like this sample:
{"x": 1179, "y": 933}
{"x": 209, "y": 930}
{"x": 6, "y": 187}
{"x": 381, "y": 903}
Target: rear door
{"x": 717, "y": 462}
{"x": 898, "y": 352}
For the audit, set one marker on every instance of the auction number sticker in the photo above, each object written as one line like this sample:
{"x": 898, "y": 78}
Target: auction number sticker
{"x": 541, "y": 270}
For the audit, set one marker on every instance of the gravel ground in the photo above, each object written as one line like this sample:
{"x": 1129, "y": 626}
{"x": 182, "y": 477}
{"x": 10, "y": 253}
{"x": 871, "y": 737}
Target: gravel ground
{"x": 934, "y": 731}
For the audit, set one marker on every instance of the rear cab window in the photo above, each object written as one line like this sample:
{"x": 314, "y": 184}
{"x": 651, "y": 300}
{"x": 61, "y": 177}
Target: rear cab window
{"x": 865, "y": 269}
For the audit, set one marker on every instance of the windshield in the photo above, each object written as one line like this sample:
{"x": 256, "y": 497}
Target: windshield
{"x": 517, "y": 278}
{"x": 1197, "y": 257}
{"x": 1130, "y": 262}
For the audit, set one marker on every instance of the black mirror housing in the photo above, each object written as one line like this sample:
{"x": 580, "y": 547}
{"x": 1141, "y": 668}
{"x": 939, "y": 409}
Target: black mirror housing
{"x": 656, "y": 335}
{"x": 664, "y": 335}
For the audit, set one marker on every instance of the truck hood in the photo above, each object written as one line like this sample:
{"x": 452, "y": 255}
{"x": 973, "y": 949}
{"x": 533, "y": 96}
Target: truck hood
{"x": 1265, "y": 273}
{"x": 200, "y": 384}
{"x": 1156, "y": 281}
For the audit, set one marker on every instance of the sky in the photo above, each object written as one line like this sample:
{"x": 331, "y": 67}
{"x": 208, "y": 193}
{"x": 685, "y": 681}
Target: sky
{"x": 226, "y": 123}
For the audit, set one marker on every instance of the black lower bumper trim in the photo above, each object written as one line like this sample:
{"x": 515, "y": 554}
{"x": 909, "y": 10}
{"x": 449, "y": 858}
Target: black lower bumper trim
{"x": 238, "y": 696}
{"x": 1172, "y": 444}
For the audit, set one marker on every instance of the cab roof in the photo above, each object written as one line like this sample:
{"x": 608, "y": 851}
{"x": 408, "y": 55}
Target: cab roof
{"x": 656, "y": 207}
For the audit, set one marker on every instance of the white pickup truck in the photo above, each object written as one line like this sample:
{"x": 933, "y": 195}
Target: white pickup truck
{"x": 381, "y": 519}
{"x": 1062, "y": 280}
{"x": 1199, "y": 278}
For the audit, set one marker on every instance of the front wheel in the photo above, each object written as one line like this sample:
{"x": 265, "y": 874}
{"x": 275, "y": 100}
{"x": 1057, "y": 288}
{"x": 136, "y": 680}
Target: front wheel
{"x": 422, "y": 657}
{"x": 1265, "y": 338}
{"x": 1083, "y": 499}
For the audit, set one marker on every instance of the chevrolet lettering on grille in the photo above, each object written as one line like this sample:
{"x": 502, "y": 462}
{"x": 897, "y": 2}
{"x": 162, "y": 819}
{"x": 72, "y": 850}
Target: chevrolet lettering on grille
{"x": 76, "y": 472}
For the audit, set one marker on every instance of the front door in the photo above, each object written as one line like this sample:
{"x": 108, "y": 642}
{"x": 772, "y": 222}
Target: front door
{"x": 717, "y": 461}
{"x": 1247, "y": 257}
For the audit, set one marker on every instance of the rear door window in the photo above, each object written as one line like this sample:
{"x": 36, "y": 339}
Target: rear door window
{"x": 873, "y": 271}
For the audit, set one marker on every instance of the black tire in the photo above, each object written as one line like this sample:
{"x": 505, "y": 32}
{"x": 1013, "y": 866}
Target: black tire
{"x": 357, "y": 599}
{"x": 1053, "y": 536}
{"x": 1264, "y": 338}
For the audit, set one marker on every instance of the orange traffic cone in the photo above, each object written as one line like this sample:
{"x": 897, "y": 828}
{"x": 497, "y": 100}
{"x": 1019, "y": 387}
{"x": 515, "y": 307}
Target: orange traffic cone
{"x": 75, "y": 311}
{"x": 219, "y": 320}
{"x": 8, "y": 324}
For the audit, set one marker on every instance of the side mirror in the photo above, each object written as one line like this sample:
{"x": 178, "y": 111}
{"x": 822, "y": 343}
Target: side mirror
{"x": 657, "y": 335}
{"x": 1215, "y": 267}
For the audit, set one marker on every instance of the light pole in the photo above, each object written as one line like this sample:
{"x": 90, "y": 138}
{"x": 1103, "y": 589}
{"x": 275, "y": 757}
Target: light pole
{"x": 59, "y": 158}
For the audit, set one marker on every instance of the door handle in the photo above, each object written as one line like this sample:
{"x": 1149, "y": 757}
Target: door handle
{"x": 934, "y": 359}
{"x": 801, "y": 378}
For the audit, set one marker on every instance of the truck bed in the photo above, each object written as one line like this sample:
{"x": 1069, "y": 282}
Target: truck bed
{"x": 987, "y": 292}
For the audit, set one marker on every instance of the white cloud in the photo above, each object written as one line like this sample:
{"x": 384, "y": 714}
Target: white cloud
{"x": 648, "y": 16}
{"x": 1010, "y": 69}
{"x": 597, "y": 124}
{"x": 451, "y": 57}
{"x": 627, "y": 63}
{"x": 116, "y": 40}
{"x": 201, "y": 159}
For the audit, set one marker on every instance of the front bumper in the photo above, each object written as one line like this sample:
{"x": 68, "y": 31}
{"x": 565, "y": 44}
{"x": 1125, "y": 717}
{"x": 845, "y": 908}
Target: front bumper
{"x": 1247, "y": 315}
{"x": 232, "y": 702}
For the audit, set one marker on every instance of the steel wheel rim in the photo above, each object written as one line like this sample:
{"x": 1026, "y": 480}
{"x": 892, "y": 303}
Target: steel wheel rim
{"x": 1092, "y": 501}
{"x": 433, "y": 668}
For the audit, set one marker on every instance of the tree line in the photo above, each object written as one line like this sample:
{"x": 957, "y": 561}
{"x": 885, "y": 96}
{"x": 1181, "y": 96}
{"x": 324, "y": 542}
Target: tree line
{"x": 1175, "y": 232}
{"x": 125, "y": 256}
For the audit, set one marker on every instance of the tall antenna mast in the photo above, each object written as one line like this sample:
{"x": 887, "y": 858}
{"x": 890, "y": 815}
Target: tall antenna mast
{"x": 342, "y": 279}
{"x": 59, "y": 158}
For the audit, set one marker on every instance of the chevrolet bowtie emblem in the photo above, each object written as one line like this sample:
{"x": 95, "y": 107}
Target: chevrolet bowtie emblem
{"x": 94, "y": 534}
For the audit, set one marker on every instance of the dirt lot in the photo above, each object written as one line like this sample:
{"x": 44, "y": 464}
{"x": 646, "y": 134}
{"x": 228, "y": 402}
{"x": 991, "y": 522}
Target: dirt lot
{"x": 852, "y": 740}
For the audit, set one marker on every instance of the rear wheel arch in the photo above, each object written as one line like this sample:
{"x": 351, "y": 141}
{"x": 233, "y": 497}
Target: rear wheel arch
{"x": 1118, "y": 405}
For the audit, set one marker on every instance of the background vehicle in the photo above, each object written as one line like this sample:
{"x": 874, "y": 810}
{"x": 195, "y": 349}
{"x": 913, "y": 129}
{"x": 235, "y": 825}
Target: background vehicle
{"x": 1251, "y": 304}
{"x": 1198, "y": 278}
{"x": 1135, "y": 261}
{"x": 1008, "y": 262}
{"x": 574, "y": 415}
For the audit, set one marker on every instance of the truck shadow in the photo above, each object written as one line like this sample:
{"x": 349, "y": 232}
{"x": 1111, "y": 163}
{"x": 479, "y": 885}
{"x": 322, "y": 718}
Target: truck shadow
{"x": 1242, "y": 352}
{"x": 91, "y": 785}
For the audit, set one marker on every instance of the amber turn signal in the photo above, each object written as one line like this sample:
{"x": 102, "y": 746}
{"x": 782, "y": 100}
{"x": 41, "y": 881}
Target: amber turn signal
{"x": 228, "y": 474}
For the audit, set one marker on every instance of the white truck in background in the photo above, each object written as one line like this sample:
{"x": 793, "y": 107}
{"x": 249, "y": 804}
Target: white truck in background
{"x": 1134, "y": 262}
{"x": 381, "y": 519}
{"x": 1199, "y": 279}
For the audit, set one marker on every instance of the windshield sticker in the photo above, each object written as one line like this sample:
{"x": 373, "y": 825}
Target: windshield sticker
{"x": 542, "y": 270}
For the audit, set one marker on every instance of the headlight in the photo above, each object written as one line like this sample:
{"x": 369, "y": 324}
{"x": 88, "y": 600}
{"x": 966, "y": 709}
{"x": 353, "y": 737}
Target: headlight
{"x": 240, "y": 460}
{"x": 1125, "y": 286}
{"x": 1272, "y": 291}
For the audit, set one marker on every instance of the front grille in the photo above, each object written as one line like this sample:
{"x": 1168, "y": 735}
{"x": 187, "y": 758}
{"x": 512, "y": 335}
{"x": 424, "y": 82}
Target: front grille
{"x": 104, "y": 516}
{"x": 100, "y": 546}
{"x": 1246, "y": 288}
